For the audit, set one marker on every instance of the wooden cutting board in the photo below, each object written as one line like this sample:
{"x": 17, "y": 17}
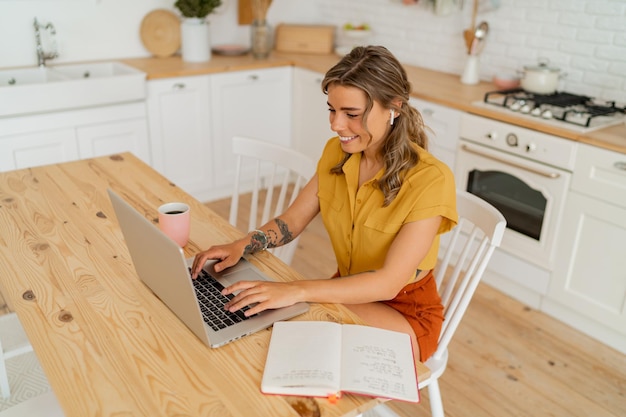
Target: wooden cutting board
{"x": 160, "y": 33}
{"x": 245, "y": 12}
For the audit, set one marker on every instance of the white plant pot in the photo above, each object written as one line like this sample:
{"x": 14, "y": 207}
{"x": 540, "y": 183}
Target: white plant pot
{"x": 196, "y": 46}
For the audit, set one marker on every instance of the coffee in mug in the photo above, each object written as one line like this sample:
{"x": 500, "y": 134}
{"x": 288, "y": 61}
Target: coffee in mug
{"x": 174, "y": 221}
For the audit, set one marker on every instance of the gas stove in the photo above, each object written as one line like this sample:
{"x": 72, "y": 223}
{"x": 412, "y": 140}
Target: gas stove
{"x": 569, "y": 111}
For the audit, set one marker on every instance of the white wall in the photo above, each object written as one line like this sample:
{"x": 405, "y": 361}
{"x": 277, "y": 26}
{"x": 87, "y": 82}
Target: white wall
{"x": 585, "y": 38}
{"x": 94, "y": 29}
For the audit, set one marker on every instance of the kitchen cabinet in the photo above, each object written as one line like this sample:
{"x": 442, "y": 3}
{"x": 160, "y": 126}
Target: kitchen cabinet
{"x": 255, "y": 103}
{"x": 37, "y": 148}
{"x": 588, "y": 287}
{"x": 180, "y": 131}
{"x": 311, "y": 125}
{"x": 444, "y": 124}
{"x": 109, "y": 138}
{"x": 48, "y": 138}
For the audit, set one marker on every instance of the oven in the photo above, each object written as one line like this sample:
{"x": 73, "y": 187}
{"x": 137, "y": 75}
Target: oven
{"x": 526, "y": 174}
{"x": 522, "y": 172}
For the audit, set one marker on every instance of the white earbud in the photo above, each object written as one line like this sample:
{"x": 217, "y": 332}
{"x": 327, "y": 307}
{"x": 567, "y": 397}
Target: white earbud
{"x": 393, "y": 116}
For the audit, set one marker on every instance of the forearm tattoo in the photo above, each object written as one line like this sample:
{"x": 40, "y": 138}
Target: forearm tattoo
{"x": 257, "y": 243}
{"x": 260, "y": 240}
{"x": 285, "y": 235}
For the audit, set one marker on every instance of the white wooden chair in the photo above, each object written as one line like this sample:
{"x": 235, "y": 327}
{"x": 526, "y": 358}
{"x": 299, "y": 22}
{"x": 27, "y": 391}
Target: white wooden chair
{"x": 13, "y": 342}
{"x": 275, "y": 167}
{"x": 464, "y": 255}
{"x": 469, "y": 248}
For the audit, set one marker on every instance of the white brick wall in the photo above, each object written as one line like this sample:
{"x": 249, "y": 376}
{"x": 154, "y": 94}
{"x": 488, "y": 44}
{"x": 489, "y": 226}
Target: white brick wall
{"x": 586, "y": 39}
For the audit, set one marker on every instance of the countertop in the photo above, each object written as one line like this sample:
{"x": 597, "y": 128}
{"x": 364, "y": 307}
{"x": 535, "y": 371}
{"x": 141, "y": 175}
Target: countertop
{"x": 108, "y": 345}
{"x": 437, "y": 87}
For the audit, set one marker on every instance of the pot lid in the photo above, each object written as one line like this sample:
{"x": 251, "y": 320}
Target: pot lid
{"x": 542, "y": 66}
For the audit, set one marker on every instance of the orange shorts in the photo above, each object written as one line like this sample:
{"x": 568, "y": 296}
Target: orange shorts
{"x": 420, "y": 304}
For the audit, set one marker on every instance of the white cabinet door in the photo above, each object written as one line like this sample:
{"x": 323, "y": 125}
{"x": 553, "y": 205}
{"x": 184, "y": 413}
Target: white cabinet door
{"x": 50, "y": 138}
{"x": 444, "y": 124}
{"x": 248, "y": 103}
{"x": 311, "y": 126}
{"x": 109, "y": 138}
{"x": 588, "y": 286}
{"x": 179, "y": 120}
{"x": 37, "y": 148}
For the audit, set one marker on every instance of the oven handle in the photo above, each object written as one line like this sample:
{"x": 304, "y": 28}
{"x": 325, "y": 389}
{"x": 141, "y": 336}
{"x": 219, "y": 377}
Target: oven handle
{"x": 517, "y": 165}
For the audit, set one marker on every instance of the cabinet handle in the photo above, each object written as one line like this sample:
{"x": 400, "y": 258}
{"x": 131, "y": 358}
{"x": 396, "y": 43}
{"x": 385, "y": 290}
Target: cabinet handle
{"x": 179, "y": 86}
{"x": 620, "y": 165}
{"x": 253, "y": 77}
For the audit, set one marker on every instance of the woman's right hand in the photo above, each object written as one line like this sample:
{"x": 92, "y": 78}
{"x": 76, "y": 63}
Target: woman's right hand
{"x": 227, "y": 256}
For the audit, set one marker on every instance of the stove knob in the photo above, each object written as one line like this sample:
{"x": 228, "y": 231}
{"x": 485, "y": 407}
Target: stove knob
{"x": 511, "y": 139}
{"x": 547, "y": 114}
{"x": 531, "y": 147}
{"x": 525, "y": 109}
{"x": 536, "y": 112}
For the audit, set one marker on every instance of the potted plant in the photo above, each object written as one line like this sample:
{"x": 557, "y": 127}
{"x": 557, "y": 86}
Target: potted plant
{"x": 195, "y": 29}
{"x": 199, "y": 9}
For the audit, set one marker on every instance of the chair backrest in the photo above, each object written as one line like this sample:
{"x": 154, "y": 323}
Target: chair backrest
{"x": 469, "y": 248}
{"x": 276, "y": 168}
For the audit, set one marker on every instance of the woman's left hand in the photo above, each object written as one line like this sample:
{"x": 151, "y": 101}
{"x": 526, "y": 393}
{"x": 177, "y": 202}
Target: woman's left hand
{"x": 262, "y": 295}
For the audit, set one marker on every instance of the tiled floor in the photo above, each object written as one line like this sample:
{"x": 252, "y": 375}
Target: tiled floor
{"x": 26, "y": 379}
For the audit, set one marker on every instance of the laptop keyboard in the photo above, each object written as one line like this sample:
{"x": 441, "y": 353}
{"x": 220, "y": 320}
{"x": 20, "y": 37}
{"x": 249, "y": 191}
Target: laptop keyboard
{"x": 212, "y": 302}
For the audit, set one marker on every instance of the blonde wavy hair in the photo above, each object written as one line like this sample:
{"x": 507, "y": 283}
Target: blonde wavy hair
{"x": 375, "y": 71}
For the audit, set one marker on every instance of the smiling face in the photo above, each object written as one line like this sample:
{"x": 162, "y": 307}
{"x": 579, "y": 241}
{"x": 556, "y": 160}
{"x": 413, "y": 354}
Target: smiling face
{"x": 347, "y": 106}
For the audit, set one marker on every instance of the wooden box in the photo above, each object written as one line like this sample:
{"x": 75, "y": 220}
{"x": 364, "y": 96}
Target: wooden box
{"x": 306, "y": 39}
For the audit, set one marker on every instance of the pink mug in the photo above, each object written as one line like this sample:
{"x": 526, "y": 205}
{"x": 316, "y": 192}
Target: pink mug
{"x": 174, "y": 221}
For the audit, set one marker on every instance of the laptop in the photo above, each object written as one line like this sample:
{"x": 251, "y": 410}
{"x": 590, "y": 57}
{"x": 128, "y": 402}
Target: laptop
{"x": 161, "y": 265}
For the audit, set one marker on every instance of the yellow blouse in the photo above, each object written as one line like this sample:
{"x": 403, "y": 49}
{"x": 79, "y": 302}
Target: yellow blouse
{"x": 360, "y": 228}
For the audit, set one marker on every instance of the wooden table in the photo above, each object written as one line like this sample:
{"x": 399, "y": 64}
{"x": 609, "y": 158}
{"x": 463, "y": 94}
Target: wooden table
{"x": 108, "y": 346}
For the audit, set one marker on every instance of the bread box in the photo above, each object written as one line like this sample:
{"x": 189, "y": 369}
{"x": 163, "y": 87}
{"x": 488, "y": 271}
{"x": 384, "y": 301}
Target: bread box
{"x": 306, "y": 39}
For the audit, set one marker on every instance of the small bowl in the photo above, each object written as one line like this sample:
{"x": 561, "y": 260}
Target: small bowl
{"x": 357, "y": 33}
{"x": 506, "y": 81}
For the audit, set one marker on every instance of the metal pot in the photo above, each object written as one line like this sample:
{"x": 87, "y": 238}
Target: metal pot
{"x": 541, "y": 78}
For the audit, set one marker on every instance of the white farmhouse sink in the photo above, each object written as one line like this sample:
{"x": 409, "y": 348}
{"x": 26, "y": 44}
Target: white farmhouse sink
{"x": 25, "y": 76}
{"x": 61, "y": 87}
{"x": 95, "y": 70}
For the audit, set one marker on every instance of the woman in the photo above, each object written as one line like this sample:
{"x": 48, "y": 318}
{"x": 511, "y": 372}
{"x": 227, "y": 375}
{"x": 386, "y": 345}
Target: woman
{"x": 384, "y": 201}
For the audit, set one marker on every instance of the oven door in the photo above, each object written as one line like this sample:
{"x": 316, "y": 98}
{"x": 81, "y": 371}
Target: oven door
{"x": 530, "y": 195}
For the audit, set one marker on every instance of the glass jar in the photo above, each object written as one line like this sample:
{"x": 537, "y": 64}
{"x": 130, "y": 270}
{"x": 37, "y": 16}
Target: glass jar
{"x": 261, "y": 39}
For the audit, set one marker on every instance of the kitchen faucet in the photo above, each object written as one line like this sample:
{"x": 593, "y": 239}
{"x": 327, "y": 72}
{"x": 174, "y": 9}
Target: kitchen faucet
{"x": 42, "y": 55}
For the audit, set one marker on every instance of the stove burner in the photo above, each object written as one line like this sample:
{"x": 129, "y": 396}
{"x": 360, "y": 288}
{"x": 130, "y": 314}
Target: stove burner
{"x": 566, "y": 107}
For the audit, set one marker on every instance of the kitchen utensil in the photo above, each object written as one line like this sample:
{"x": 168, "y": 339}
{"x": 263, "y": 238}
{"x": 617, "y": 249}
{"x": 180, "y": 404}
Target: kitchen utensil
{"x": 160, "y": 33}
{"x": 541, "y": 78}
{"x": 468, "y": 34}
{"x": 478, "y": 43}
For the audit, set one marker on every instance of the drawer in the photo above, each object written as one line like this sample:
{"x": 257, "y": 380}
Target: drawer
{"x": 600, "y": 173}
